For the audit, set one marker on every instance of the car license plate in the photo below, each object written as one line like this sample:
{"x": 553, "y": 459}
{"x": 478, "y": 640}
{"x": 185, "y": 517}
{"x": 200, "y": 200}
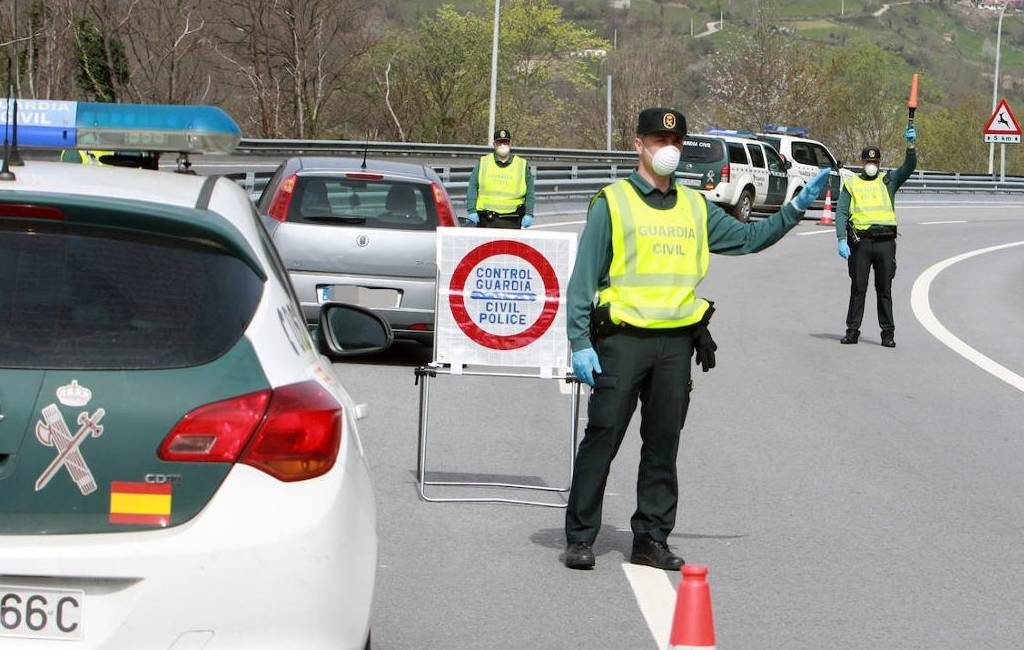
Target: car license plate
{"x": 40, "y": 613}
{"x": 691, "y": 182}
{"x": 362, "y": 296}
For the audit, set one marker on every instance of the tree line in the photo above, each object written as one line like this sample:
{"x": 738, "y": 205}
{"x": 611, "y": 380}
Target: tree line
{"x": 346, "y": 69}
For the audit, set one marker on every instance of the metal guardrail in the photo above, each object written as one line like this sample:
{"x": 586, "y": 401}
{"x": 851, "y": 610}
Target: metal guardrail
{"x": 565, "y": 181}
{"x": 418, "y": 149}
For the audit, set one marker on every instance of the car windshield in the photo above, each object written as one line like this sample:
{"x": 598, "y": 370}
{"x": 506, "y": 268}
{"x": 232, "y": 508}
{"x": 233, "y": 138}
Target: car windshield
{"x": 73, "y": 297}
{"x": 702, "y": 150}
{"x": 381, "y": 203}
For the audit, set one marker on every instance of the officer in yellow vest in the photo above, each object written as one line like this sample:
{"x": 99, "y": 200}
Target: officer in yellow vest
{"x": 866, "y": 228}
{"x": 645, "y": 249}
{"x": 500, "y": 192}
{"x": 84, "y": 157}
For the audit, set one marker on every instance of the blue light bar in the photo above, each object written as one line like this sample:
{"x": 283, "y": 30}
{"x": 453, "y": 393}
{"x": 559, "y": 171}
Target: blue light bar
{"x": 48, "y": 124}
{"x": 798, "y": 131}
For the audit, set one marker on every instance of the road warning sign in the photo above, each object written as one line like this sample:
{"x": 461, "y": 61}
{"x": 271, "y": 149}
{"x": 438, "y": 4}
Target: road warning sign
{"x": 1003, "y": 125}
{"x": 501, "y": 297}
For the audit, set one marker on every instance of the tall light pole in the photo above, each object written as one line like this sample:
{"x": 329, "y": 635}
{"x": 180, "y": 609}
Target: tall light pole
{"x": 995, "y": 84}
{"x": 494, "y": 72}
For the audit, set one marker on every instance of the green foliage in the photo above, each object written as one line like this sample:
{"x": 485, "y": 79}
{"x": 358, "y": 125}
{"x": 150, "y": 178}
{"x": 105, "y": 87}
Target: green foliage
{"x": 102, "y": 64}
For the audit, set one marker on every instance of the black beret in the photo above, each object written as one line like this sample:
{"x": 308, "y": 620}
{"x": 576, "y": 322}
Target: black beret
{"x": 656, "y": 120}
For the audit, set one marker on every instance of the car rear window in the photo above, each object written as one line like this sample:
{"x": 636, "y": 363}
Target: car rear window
{"x": 74, "y": 297}
{"x": 702, "y": 150}
{"x": 737, "y": 155}
{"x": 381, "y": 203}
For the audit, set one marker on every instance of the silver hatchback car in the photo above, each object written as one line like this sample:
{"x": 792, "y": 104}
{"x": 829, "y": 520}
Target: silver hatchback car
{"x": 360, "y": 233}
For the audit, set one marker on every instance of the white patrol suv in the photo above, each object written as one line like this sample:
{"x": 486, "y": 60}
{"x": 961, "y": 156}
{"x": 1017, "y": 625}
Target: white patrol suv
{"x": 806, "y": 157}
{"x": 179, "y": 464}
{"x": 741, "y": 174}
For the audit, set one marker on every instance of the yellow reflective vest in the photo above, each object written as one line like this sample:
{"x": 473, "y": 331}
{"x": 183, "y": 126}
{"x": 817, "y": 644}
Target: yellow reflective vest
{"x": 90, "y": 157}
{"x": 502, "y": 189}
{"x": 659, "y": 257}
{"x": 870, "y": 203}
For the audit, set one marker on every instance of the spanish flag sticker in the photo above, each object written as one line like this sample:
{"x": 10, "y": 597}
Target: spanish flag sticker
{"x": 142, "y": 504}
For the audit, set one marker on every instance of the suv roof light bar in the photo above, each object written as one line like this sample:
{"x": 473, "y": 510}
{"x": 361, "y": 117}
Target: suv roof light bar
{"x": 55, "y": 124}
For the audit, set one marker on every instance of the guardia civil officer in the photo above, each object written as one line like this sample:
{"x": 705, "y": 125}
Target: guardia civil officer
{"x": 643, "y": 252}
{"x": 500, "y": 192}
{"x": 866, "y": 228}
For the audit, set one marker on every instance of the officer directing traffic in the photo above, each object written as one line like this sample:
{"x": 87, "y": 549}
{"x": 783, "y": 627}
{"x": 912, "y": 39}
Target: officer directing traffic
{"x": 866, "y": 228}
{"x": 643, "y": 252}
{"x": 500, "y": 192}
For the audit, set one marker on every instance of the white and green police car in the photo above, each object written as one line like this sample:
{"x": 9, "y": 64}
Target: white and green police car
{"x": 179, "y": 465}
{"x": 807, "y": 157}
{"x": 741, "y": 174}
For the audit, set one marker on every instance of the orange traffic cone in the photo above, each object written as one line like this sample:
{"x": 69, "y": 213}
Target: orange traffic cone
{"x": 692, "y": 626}
{"x": 827, "y": 219}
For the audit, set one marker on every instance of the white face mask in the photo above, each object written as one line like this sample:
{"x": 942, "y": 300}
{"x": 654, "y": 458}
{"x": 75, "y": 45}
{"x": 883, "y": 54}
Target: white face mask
{"x": 665, "y": 160}
{"x": 503, "y": 150}
{"x": 871, "y": 170}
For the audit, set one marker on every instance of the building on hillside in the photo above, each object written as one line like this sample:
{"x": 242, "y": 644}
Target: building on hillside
{"x": 619, "y": 4}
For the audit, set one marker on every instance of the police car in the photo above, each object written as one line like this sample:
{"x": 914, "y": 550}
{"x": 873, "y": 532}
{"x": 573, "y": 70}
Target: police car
{"x": 179, "y": 465}
{"x": 807, "y": 157}
{"x": 740, "y": 173}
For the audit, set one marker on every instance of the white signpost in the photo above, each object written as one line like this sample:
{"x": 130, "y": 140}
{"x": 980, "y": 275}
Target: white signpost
{"x": 1003, "y": 128}
{"x": 500, "y": 312}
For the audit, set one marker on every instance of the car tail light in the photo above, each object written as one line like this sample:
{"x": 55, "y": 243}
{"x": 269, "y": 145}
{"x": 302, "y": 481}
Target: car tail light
{"x": 301, "y": 435}
{"x": 726, "y": 172}
{"x": 283, "y": 198}
{"x": 217, "y": 432}
{"x": 26, "y": 211}
{"x": 364, "y": 176}
{"x": 445, "y": 217}
{"x": 292, "y": 433}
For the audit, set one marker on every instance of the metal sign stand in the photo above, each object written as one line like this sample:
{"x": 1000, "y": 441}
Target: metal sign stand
{"x": 423, "y": 376}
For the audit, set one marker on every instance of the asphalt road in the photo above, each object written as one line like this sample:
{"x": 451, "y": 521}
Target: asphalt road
{"x": 842, "y": 496}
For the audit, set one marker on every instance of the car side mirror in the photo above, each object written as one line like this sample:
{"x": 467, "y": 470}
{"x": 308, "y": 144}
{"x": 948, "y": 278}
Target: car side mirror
{"x": 786, "y": 164}
{"x": 349, "y": 331}
{"x": 839, "y": 164}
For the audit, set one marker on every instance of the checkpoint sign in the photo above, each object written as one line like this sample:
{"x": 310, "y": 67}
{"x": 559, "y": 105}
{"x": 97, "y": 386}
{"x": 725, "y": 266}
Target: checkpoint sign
{"x": 501, "y": 297}
{"x": 1003, "y": 125}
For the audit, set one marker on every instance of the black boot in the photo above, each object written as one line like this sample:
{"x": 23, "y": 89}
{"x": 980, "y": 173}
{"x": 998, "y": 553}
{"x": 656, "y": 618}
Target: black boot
{"x": 887, "y": 340}
{"x": 579, "y": 555}
{"x": 850, "y": 338}
{"x": 654, "y": 553}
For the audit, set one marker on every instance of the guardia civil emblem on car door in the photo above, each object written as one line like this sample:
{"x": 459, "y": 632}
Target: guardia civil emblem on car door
{"x": 53, "y": 431}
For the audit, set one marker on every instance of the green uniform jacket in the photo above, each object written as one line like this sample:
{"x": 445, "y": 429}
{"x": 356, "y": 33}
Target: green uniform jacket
{"x": 726, "y": 235}
{"x": 474, "y": 186}
{"x": 893, "y": 180}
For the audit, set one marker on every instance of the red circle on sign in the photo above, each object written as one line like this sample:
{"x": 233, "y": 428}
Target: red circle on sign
{"x": 457, "y": 298}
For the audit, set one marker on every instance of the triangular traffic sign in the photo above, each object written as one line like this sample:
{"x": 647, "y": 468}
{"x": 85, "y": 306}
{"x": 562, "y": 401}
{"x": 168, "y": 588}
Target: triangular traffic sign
{"x": 1003, "y": 121}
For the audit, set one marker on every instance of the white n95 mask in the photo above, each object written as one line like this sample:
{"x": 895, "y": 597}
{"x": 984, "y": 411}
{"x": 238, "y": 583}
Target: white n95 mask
{"x": 871, "y": 170}
{"x": 665, "y": 160}
{"x": 503, "y": 150}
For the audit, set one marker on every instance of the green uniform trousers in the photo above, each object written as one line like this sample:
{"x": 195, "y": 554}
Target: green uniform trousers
{"x": 867, "y": 255}
{"x": 656, "y": 369}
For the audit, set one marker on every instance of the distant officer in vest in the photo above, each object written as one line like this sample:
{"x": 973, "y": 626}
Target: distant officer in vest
{"x": 84, "y": 157}
{"x": 500, "y": 193}
{"x": 645, "y": 249}
{"x": 866, "y": 228}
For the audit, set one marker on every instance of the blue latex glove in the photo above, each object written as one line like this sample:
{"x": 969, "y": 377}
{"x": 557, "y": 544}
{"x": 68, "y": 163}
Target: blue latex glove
{"x": 811, "y": 191}
{"x": 911, "y": 135}
{"x": 585, "y": 364}
{"x": 472, "y": 217}
{"x": 527, "y": 221}
{"x": 844, "y": 249}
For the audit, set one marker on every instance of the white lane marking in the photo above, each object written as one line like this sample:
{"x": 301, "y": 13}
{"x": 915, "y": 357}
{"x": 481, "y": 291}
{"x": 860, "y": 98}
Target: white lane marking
{"x": 656, "y": 598}
{"x": 817, "y": 232}
{"x": 560, "y": 223}
{"x": 933, "y": 223}
{"x": 921, "y": 305}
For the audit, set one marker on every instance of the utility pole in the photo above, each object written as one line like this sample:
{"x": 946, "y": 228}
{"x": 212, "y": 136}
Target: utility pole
{"x": 995, "y": 84}
{"x": 494, "y": 73}
{"x": 608, "y": 139}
